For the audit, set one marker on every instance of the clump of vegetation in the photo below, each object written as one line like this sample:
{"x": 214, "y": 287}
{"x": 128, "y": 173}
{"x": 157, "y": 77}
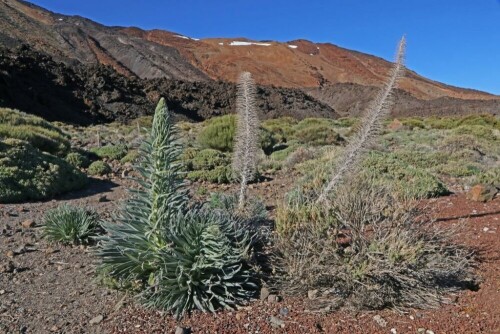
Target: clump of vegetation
{"x": 26, "y": 173}
{"x": 254, "y": 210}
{"x": 282, "y": 128}
{"x": 207, "y": 165}
{"x": 406, "y": 179}
{"x": 218, "y": 133}
{"x": 35, "y": 130}
{"x": 99, "y": 168}
{"x": 375, "y": 253}
{"x": 77, "y": 160}
{"x": 131, "y": 157}
{"x": 114, "y": 152}
{"x": 70, "y": 225}
{"x": 181, "y": 257}
{"x": 316, "y": 131}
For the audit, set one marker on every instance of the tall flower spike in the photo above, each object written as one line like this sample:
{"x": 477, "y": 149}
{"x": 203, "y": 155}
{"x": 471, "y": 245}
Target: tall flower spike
{"x": 369, "y": 127}
{"x": 247, "y": 135}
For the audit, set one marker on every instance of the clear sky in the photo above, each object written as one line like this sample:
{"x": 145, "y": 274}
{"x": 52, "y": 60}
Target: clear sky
{"x": 452, "y": 41}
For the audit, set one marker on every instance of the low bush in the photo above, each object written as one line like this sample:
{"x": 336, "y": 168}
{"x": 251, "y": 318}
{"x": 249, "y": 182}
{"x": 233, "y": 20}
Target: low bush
{"x": 219, "y": 174}
{"x": 99, "y": 168}
{"x": 131, "y": 157}
{"x": 70, "y": 225}
{"x": 378, "y": 253}
{"x": 38, "y": 132}
{"x": 281, "y": 128}
{"x": 114, "y": 152}
{"x": 406, "y": 180}
{"x": 218, "y": 133}
{"x": 77, "y": 160}
{"x": 318, "y": 135}
{"x": 26, "y": 173}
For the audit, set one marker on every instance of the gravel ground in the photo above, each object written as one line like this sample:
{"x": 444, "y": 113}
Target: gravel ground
{"x": 47, "y": 288}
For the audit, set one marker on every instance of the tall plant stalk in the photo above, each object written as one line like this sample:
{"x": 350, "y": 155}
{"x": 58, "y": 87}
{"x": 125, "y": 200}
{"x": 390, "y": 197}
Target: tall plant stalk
{"x": 370, "y": 125}
{"x": 247, "y": 135}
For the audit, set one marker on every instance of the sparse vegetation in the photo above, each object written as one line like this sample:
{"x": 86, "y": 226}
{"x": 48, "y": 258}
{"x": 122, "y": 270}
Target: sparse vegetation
{"x": 70, "y": 225}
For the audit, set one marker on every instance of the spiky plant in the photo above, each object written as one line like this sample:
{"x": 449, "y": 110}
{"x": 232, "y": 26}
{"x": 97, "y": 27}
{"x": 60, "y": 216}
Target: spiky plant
{"x": 247, "y": 135}
{"x": 70, "y": 225}
{"x": 369, "y": 126}
{"x": 182, "y": 259}
{"x": 203, "y": 266}
{"x": 131, "y": 250}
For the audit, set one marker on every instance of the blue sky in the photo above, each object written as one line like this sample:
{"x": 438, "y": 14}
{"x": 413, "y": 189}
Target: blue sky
{"x": 452, "y": 41}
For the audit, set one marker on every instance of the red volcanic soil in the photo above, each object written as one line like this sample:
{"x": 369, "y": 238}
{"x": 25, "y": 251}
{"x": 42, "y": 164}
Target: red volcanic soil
{"x": 48, "y": 288}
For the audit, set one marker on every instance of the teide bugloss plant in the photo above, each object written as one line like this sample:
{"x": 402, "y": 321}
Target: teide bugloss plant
{"x": 182, "y": 259}
{"x": 247, "y": 135}
{"x": 369, "y": 127}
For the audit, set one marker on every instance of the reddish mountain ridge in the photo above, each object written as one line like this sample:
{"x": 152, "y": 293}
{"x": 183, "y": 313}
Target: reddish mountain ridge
{"x": 322, "y": 70}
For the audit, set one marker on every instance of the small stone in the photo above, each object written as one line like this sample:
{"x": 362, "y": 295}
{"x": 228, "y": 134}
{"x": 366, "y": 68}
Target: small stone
{"x": 421, "y": 330}
{"x": 311, "y": 294}
{"x": 2, "y": 292}
{"x": 125, "y": 174}
{"x": 10, "y": 254}
{"x": 264, "y": 293}
{"x": 277, "y": 322}
{"x": 485, "y": 229}
{"x": 394, "y": 331}
{"x": 54, "y": 328}
{"x": 429, "y": 332}
{"x": 28, "y": 223}
{"x": 284, "y": 311}
{"x": 380, "y": 321}
{"x": 238, "y": 316}
{"x": 96, "y": 320}
{"x": 412, "y": 317}
{"x": 182, "y": 330}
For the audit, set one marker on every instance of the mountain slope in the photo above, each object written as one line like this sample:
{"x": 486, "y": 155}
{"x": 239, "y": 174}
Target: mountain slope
{"x": 337, "y": 81}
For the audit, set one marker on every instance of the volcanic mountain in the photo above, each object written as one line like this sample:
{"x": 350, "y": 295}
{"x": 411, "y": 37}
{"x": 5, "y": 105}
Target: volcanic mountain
{"x": 343, "y": 79}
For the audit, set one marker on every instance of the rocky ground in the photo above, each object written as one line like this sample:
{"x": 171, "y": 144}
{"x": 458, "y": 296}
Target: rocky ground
{"x": 49, "y": 288}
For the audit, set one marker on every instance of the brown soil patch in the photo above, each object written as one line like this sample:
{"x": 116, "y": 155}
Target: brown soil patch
{"x": 52, "y": 289}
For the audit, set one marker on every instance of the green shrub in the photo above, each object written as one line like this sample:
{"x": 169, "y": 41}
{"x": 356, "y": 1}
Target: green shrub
{"x": 70, "y": 225}
{"x": 281, "y": 128}
{"x": 180, "y": 256}
{"x": 413, "y": 123}
{"x": 219, "y": 174}
{"x": 318, "y": 135}
{"x": 406, "y": 180}
{"x": 267, "y": 141}
{"x": 38, "y": 132}
{"x": 478, "y": 131}
{"x": 77, "y": 160}
{"x": 115, "y": 152}
{"x": 207, "y": 165}
{"x": 99, "y": 168}
{"x": 281, "y": 155}
{"x": 209, "y": 159}
{"x": 26, "y": 173}
{"x": 131, "y": 157}
{"x": 218, "y": 133}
